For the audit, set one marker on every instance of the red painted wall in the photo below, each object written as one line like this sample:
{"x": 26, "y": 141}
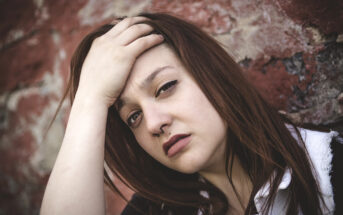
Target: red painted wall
{"x": 292, "y": 51}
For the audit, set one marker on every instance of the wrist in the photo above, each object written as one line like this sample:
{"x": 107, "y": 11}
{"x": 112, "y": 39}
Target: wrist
{"x": 92, "y": 100}
{"x": 89, "y": 103}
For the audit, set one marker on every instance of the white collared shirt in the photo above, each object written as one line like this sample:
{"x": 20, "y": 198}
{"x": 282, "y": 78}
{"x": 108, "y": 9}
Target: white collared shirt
{"x": 319, "y": 151}
{"x": 318, "y": 148}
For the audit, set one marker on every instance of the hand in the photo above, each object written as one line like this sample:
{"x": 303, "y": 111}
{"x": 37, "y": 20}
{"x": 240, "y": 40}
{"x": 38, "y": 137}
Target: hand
{"x": 111, "y": 57}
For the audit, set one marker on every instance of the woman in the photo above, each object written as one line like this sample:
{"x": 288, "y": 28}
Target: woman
{"x": 183, "y": 128}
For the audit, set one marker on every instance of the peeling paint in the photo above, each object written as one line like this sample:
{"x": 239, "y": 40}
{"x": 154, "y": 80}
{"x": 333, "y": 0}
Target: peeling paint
{"x": 15, "y": 97}
{"x": 45, "y": 155}
{"x": 317, "y": 37}
{"x": 32, "y": 41}
{"x": 264, "y": 33}
{"x": 295, "y": 66}
{"x": 47, "y": 149}
{"x": 43, "y": 15}
{"x": 56, "y": 38}
{"x": 339, "y": 38}
{"x": 237, "y": 41}
{"x": 90, "y": 13}
{"x": 217, "y": 8}
{"x": 124, "y": 7}
{"x": 39, "y": 3}
{"x": 12, "y": 36}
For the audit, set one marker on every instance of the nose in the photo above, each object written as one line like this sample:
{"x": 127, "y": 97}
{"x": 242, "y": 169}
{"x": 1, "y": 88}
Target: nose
{"x": 157, "y": 119}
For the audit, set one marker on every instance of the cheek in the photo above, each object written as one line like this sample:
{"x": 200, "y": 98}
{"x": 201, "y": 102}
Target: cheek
{"x": 141, "y": 138}
{"x": 205, "y": 116}
{"x": 146, "y": 142}
{"x": 199, "y": 107}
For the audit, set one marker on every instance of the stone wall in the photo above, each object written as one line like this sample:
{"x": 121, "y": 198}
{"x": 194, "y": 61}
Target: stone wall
{"x": 292, "y": 51}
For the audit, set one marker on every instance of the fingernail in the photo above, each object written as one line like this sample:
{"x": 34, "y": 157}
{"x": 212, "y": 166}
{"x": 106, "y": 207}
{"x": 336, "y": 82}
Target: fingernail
{"x": 114, "y": 22}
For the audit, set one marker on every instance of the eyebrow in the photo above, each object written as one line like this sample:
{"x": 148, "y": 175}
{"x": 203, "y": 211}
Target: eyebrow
{"x": 121, "y": 102}
{"x": 152, "y": 76}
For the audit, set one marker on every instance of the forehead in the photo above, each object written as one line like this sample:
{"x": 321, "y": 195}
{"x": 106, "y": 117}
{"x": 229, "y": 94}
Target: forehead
{"x": 156, "y": 57}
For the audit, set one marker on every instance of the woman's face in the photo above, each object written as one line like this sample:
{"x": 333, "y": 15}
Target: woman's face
{"x": 171, "y": 118}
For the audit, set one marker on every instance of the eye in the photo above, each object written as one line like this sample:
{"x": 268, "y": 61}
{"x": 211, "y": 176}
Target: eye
{"x": 133, "y": 118}
{"x": 165, "y": 87}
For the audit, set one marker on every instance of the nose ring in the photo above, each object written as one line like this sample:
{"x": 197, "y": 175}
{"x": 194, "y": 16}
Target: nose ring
{"x": 161, "y": 132}
{"x": 161, "y": 129}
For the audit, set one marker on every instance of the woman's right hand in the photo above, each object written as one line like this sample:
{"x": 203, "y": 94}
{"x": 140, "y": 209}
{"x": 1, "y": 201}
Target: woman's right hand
{"x": 111, "y": 57}
{"x": 78, "y": 170}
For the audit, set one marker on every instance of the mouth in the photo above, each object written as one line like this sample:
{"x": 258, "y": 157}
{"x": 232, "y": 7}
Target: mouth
{"x": 175, "y": 144}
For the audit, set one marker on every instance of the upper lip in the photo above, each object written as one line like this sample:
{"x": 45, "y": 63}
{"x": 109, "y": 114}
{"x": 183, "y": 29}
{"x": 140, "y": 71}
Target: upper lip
{"x": 172, "y": 141}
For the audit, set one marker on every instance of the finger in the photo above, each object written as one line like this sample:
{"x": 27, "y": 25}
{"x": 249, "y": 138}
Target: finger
{"x": 144, "y": 43}
{"x": 115, "y": 22}
{"x": 133, "y": 33}
{"x": 124, "y": 24}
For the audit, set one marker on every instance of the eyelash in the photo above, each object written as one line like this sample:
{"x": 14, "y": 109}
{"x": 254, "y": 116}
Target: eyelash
{"x": 131, "y": 117}
{"x": 164, "y": 88}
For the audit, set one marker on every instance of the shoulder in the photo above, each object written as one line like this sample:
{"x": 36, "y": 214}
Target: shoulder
{"x": 318, "y": 146}
{"x": 325, "y": 152}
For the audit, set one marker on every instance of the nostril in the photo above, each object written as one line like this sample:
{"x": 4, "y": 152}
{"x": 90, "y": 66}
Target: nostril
{"x": 161, "y": 128}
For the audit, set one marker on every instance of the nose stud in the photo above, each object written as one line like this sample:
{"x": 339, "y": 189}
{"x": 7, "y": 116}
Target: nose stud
{"x": 161, "y": 131}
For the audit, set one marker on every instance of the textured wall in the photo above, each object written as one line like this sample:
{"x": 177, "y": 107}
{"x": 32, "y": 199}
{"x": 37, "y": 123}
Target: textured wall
{"x": 292, "y": 51}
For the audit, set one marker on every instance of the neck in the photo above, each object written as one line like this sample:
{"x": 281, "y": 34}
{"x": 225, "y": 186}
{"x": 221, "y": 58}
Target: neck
{"x": 238, "y": 200}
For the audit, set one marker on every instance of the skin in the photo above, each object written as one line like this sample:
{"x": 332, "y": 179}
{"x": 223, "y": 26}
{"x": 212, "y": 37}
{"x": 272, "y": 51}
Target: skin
{"x": 181, "y": 108}
{"x": 78, "y": 170}
{"x": 178, "y": 108}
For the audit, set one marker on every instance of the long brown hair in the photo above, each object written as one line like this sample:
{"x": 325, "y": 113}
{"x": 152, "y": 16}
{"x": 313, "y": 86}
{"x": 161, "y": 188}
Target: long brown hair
{"x": 256, "y": 134}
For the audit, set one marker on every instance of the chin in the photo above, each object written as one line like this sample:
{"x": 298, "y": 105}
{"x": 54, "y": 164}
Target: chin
{"x": 187, "y": 171}
{"x": 188, "y": 166}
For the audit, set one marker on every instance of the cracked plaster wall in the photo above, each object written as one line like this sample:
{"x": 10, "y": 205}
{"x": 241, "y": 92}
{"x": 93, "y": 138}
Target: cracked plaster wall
{"x": 291, "y": 53}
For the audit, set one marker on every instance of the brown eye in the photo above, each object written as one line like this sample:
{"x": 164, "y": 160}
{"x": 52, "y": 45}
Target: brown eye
{"x": 133, "y": 118}
{"x": 165, "y": 87}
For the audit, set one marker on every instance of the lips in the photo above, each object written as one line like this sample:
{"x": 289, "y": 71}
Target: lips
{"x": 172, "y": 141}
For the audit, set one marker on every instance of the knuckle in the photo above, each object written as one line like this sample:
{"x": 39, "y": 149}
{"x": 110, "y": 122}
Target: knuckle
{"x": 156, "y": 36}
{"x": 140, "y": 27}
{"x": 96, "y": 42}
{"x": 99, "y": 40}
{"x": 144, "y": 42}
{"x": 148, "y": 27}
{"x": 120, "y": 54}
{"x": 153, "y": 37}
{"x": 135, "y": 28}
{"x": 129, "y": 21}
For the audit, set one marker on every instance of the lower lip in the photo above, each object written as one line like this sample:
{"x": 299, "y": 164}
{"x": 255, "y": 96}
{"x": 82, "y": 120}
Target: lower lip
{"x": 178, "y": 146}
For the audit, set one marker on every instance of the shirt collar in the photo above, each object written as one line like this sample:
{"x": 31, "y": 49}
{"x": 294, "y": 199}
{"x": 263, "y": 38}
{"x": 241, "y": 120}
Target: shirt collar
{"x": 285, "y": 181}
{"x": 318, "y": 147}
